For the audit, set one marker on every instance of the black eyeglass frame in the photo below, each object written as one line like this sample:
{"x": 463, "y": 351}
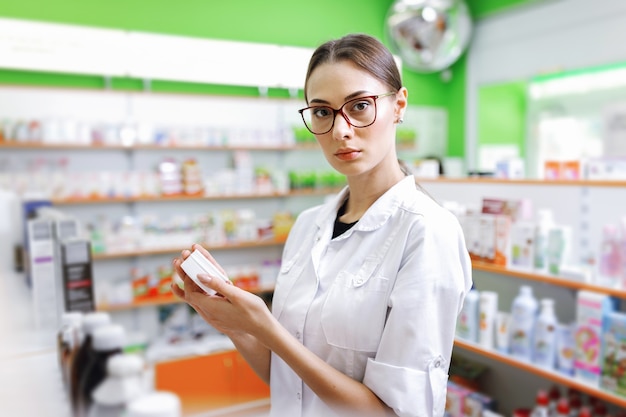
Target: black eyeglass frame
{"x": 345, "y": 116}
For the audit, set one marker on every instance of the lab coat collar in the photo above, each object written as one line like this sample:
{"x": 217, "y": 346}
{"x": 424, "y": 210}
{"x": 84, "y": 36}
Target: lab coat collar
{"x": 377, "y": 214}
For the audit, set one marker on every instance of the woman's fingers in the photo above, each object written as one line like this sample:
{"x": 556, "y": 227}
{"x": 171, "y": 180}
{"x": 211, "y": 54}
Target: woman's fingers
{"x": 177, "y": 291}
{"x": 208, "y": 255}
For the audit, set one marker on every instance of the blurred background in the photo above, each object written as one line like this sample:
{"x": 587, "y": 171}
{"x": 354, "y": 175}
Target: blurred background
{"x": 131, "y": 129}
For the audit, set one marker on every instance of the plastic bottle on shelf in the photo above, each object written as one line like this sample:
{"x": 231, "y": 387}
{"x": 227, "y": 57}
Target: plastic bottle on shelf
{"x": 584, "y": 412}
{"x": 545, "y": 222}
{"x": 91, "y": 322}
{"x": 542, "y": 403}
{"x": 467, "y": 322}
{"x": 107, "y": 341}
{"x": 123, "y": 384}
{"x": 544, "y": 340}
{"x": 488, "y": 309}
{"x": 523, "y": 317}
{"x": 609, "y": 262}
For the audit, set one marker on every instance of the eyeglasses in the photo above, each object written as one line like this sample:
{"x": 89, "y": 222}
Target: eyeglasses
{"x": 359, "y": 112}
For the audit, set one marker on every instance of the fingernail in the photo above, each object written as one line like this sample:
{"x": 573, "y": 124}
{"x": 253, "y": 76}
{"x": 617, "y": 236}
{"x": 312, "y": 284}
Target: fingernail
{"x": 204, "y": 277}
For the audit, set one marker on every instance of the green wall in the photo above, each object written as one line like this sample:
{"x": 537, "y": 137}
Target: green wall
{"x": 502, "y": 114}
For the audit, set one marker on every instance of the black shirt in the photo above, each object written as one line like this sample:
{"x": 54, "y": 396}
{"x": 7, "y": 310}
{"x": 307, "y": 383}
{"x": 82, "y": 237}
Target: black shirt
{"x": 341, "y": 227}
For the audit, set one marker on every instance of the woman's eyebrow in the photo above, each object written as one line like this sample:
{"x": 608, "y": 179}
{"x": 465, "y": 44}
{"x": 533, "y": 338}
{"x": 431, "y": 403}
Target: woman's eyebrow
{"x": 347, "y": 98}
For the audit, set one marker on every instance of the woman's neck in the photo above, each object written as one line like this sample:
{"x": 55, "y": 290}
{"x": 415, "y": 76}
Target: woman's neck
{"x": 366, "y": 189}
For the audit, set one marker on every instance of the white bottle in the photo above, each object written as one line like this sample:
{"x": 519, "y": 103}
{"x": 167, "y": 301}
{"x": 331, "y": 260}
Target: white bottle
{"x": 467, "y": 321}
{"x": 523, "y": 316}
{"x": 545, "y": 221}
{"x": 123, "y": 384}
{"x": 487, "y": 309}
{"x": 544, "y": 342}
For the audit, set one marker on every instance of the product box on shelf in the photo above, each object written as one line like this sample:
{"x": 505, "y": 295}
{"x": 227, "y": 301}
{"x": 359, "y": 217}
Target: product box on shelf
{"x": 606, "y": 169}
{"x": 41, "y": 269}
{"x": 492, "y": 241}
{"x": 552, "y": 170}
{"x": 487, "y": 251}
{"x": 477, "y": 403}
{"x": 472, "y": 232}
{"x": 505, "y": 213}
{"x": 510, "y": 168}
{"x": 516, "y": 209}
{"x": 613, "y": 361}
{"x": 564, "y": 170}
{"x": 591, "y": 308}
{"x": 77, "y": 274}
{"x": 455, "y": 399}
{"x": 522, "y": 245}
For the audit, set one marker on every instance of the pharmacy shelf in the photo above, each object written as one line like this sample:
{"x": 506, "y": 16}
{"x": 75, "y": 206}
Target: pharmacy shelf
{"x": 178, "y": 249}
{"x": 533, "y": 182}
{"x": 309, "y": 146}
{"x": 90, "y": 147}
{"x": 548, "y": 279}
{"x": 181, "y": 197}
{"x": 552, "y": 375}
{"x": 166, "y": 300}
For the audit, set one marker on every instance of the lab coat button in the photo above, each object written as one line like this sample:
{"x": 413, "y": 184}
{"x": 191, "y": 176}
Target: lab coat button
{"x": 298, "y": 395}
{"x": 298, "y": 335}
{"x": 437, "y": 364}
{"x": 359, "y": 281}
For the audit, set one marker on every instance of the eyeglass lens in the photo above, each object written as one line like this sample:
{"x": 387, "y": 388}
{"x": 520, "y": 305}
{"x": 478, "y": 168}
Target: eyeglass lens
{"x": 361, "y": 112}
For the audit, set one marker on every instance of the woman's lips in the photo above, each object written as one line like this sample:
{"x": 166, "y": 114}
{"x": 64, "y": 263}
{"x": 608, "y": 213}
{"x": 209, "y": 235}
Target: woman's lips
{"x": 347, "y": 154}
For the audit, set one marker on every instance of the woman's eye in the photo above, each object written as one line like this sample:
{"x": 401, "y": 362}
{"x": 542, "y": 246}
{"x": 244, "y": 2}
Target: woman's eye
{"x": 321, "y": 112}
{"x": 360, "y": 105}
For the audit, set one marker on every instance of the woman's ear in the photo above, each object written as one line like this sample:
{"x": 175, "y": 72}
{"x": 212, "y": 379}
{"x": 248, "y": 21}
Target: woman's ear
{"x": 401, "y": 103}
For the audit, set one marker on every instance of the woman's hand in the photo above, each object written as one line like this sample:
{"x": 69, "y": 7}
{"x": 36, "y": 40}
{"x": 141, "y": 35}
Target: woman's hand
{"x": 232, "y": 310}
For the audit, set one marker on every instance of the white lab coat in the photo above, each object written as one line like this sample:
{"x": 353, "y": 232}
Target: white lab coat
{"x": 379, "y": 303}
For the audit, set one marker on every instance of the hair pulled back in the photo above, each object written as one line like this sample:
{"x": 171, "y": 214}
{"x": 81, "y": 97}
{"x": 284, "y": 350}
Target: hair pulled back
{"x": 364, "y": 51}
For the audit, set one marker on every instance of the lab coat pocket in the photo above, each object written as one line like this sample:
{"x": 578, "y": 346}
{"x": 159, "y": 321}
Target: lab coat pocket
{"x": 354, "y": 312}
{"x": 289, "y": 273}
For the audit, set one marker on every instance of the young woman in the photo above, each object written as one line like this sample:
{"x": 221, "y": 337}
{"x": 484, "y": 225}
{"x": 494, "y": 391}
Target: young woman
{"x": 365, "y": 305}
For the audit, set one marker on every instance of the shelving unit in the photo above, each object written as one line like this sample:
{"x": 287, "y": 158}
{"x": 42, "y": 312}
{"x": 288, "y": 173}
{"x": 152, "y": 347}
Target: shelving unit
{"x": 550, "y": 375}
{"x": 254, "y": 125}
{"x": 570, "y": 202}
{"x": 547, "y": 279}
{"x": 167, "y": 251}
{"x": 165, "y": 198}
{"x": 138, "y": 147}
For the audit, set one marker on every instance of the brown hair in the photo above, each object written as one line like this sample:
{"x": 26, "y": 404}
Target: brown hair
{"x": 364, "y": 51}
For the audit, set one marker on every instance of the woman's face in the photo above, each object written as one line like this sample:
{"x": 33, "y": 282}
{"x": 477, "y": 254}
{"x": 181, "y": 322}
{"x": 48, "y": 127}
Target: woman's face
{"x": 355, "y": 151}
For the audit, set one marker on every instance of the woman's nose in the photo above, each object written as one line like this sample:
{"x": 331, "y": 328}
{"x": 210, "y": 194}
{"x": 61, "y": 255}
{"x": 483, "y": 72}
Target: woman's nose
{"x": 342, "y": 126}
